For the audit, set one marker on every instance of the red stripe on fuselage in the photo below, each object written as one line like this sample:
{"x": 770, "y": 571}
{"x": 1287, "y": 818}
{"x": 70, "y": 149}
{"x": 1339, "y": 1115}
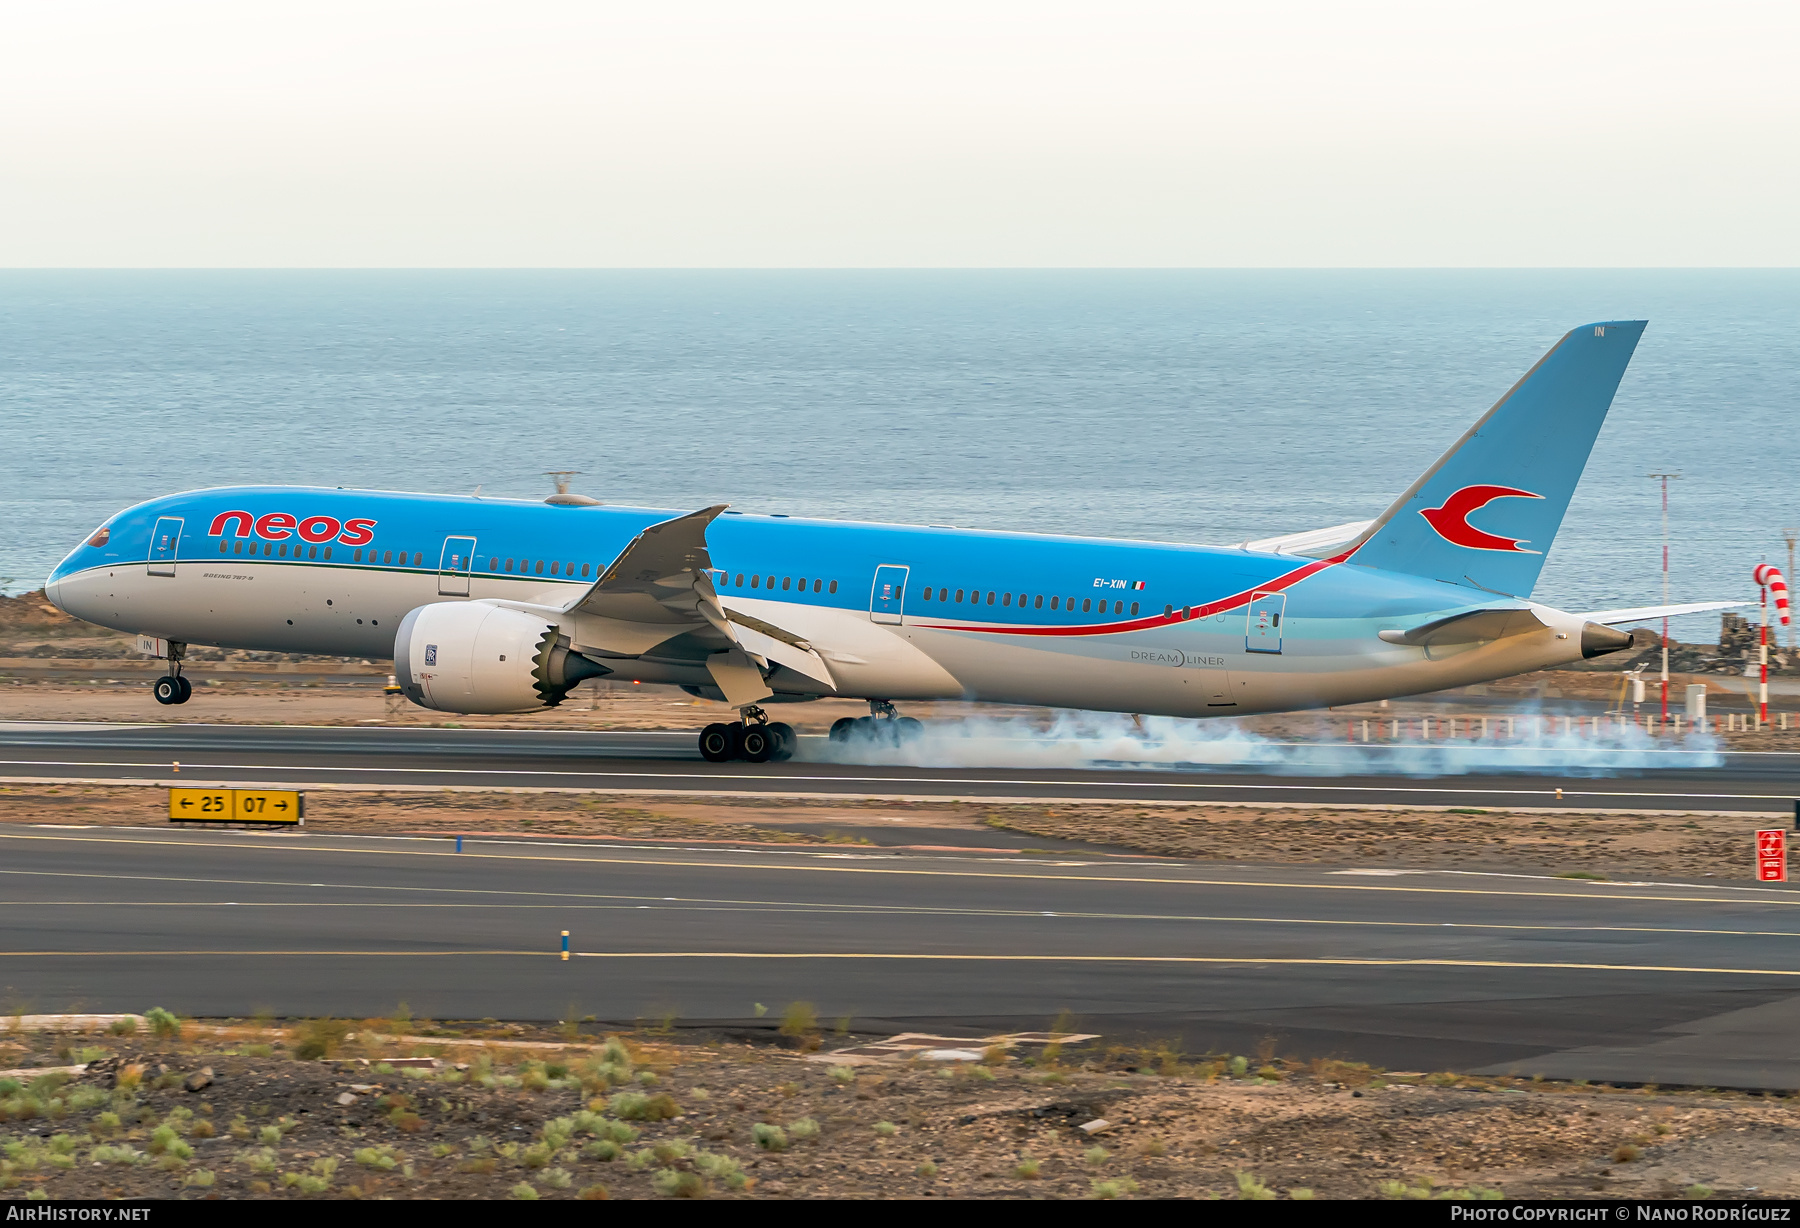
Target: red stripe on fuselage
{"x": 1278, "y": 584}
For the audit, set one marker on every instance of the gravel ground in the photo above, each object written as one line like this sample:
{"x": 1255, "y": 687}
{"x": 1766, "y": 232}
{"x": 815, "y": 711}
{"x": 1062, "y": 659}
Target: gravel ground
{"x": 717, "y": 1116}
{"x": 1611, "y": 845}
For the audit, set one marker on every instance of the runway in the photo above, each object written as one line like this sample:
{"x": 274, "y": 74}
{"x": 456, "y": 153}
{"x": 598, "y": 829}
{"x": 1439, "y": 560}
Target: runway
{"x": 1670, "y": 983}
{"x": 667, "y": 762}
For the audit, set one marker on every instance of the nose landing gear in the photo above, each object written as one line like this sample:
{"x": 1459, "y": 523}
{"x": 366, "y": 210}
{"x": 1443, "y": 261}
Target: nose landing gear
{"x": 755, "y": 739}
{"x": 172, "y": 688}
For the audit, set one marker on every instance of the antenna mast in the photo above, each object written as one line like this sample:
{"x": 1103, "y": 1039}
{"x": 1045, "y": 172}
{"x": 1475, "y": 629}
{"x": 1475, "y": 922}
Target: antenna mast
{"x": 1665, "y": 478}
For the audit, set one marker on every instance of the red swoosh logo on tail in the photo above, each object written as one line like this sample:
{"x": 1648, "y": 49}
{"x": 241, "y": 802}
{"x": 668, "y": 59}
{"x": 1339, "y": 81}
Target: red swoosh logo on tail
{"x": 1451, "y": 521}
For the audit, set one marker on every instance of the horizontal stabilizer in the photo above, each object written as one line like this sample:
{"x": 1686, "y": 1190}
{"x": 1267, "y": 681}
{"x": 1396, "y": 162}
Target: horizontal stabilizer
{"x": 1614, "y": 618}
{"x": 1313, "y": 543}
{"x": 1473, "y": 627}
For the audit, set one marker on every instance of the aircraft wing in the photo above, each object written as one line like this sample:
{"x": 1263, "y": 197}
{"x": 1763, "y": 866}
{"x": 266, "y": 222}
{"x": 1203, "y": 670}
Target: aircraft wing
{"x": 1612, "y": 618}
{"x": 1313, "y": 543}
{"x": 652, "y": 582}
{"x": 660, "y": 587}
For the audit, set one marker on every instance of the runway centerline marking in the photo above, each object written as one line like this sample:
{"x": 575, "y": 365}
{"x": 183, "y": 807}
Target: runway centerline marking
{"x": 801, "y": 907}
{"x": 936, "y": 957}
{"x": 1020, "y": 874}
{"x": 701, "y": 780}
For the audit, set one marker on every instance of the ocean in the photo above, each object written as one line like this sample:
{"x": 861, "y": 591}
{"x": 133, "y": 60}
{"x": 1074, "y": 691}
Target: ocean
{"x": 1187, "y": 406}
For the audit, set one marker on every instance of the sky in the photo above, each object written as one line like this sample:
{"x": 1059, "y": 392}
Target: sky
{"x": 790, "y": 133}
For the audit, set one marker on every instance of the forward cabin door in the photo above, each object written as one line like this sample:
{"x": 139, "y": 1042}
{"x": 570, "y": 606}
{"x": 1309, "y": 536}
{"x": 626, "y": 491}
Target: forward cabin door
{"x": 455, "y": 566}
{"x": 165, "y": 546}
{"x": 887, "y": 600}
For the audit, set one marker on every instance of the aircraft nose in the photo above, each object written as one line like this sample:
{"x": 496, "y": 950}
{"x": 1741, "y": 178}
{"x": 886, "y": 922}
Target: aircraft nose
{"x": 53, "y": 594}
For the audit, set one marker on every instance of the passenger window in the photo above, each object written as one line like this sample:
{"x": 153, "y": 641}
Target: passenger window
{"x": 1087, "y": 604}
{"x": 418, "y": 558}
{"x": 1134, "y": 606}
{"x": 1037, "y": 603}
{"x": 755, "y": 581}
{"x": 553, "y": 566}
{"x": 386, "y": 557}
{"x": 771, "y": 581}
{"x": 509, "y": 563}
{"x": 990, "y": 599}
{"x": 959, "y": 594}
{"x": 817, "y": 585}
{"x": 1021, "y": 601}
{"x": 540, "y": 567}
{"x": 1055, "y": 603}
{"x": 224, "y": 546}
{"x": 268, "y": 550}
{"x": 328, "y": 554}
{"x": 283, "y": 550}
{"x": 803, "y": 584}
{"x": 238, "y": 548}
{"x": 568, "y": 569}
{"x": 787, "y": 582}
{"x": 740, "y": 579}
{"x": 834, "y": 586}
{"x": 928, "y": 594}
{"x": 1007, "y": 601}
{"x": 312, "y": 552}
{"x": 584, "y": 569}
{"x": 1168, "y": 610}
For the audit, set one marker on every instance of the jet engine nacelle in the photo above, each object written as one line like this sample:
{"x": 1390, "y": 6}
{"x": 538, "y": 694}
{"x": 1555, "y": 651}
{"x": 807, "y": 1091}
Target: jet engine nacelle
{"x": 467, "y": 656}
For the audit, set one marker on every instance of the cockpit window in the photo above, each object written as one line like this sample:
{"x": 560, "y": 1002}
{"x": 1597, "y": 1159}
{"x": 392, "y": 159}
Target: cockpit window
{"x": 101, "y": 536}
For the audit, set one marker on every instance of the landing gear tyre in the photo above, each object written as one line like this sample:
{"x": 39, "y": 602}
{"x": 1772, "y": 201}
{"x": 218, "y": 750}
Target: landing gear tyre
{"x": 842, "y": 727}
{"x": 716, "y": 743}
{"x": 785, "y": 742}
{"x": 908, "y": 729}
{"x": 756, "y": 743}
{"x": 187, "y": 690}
{"x": 167, "y": 690}
{"x": 875, "y": 732}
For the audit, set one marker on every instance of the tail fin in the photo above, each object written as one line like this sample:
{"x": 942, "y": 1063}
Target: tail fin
{"x": 1486, "y": 513}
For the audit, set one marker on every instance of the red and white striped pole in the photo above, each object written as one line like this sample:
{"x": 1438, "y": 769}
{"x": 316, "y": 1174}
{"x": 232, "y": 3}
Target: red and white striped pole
{"x": 1770, "y": 580}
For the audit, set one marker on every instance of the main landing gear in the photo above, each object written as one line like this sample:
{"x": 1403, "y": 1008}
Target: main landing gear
{"x": 172, "y": 688}
{"x": 884, "y": 726}
{"x": 755, "y": 739}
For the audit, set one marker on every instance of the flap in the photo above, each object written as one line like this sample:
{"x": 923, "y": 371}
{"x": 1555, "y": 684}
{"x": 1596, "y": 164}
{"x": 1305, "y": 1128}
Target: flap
{"x": 774, "y": 644}
{"x": 738, "y": 677}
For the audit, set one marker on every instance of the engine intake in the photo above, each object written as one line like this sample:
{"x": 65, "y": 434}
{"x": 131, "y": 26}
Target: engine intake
{"x": 470, "y": 657}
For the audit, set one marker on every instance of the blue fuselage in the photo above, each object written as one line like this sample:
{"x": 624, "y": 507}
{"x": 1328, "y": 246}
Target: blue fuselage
{"x": 902, "y": 611}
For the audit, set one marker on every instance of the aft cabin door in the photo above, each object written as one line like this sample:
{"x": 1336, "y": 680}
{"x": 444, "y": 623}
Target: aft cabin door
{"x": 458, "y": 562}
{"x": 1264, "y": 632}
{"x": 887, "y": 602}
{"x": 165, "y": 546}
